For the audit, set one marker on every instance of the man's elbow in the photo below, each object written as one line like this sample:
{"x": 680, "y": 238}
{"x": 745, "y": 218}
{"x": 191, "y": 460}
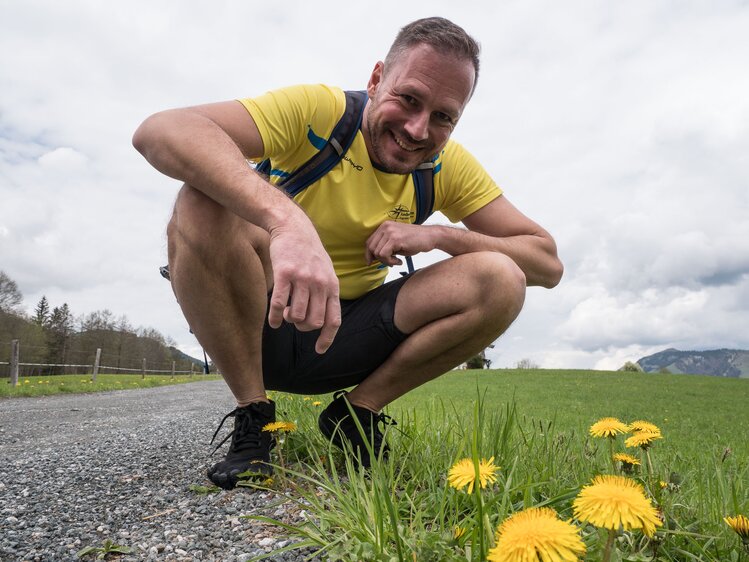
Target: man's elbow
{"x": 554, "y": 273}
{"x": 145, "y": 134}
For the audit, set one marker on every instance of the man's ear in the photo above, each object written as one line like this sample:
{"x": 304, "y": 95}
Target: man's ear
{"x": 375, "y": 79}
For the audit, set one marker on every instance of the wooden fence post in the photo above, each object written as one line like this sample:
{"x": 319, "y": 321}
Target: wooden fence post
{"x": 192, "y": 368}
{"x": 97, "y": 362}
{"x": 174, "y": 366}
{"x": 143, "y": 375}
{"x": 14, "y": 360}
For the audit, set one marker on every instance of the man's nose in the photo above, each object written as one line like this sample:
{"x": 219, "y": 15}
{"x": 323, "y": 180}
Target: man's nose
{"x": 417, "y": 126}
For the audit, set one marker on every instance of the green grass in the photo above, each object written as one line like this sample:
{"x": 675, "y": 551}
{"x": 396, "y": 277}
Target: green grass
{"x": 70, "y": 384}
{"x": 535, "y": 424}
{"x": 699, "y": 414}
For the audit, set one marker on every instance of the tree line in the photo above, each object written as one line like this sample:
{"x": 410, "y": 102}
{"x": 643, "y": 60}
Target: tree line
{"x": 54, "y": 335}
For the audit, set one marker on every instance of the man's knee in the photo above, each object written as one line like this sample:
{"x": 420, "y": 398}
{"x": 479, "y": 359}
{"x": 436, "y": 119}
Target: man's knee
{"x": 489, "y": 286}
{"x": 493, "y": 281}
{"x": 194, "y": 216}
{"x": 210, "y": 229}
{"x": 499, "y": 276}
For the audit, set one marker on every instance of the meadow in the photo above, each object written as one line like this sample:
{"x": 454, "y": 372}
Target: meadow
{"x": 72, "y": 384}
{"x": 527, "y": 435}
{"x": 474, "y": 452}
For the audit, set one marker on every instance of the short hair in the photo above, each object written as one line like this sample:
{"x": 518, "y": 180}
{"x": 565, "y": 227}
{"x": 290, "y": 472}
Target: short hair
{"x": 442, "y": 35}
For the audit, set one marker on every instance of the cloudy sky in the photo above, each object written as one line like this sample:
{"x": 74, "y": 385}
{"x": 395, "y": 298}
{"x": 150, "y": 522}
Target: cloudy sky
{"x": 623, "y": 128}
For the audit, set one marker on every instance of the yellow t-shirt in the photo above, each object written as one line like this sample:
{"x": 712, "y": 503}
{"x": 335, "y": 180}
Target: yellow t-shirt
{"x": 354, "y": 198}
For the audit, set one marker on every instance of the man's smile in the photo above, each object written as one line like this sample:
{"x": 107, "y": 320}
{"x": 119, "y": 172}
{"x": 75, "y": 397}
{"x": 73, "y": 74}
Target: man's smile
{"x": 404, "y": 144}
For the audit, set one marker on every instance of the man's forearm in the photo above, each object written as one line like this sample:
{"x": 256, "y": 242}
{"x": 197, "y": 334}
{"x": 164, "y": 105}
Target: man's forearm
{"x": 190, "y": 147}
{"x": 535, "y": 254}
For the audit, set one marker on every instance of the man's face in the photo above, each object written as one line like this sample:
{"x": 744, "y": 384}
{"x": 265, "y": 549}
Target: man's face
{"x": 414, "y": 106}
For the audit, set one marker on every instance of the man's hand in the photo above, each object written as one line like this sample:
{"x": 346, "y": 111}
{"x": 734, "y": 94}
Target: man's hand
{"x": 393, "y": 238}
{"x": 305, "y": 286}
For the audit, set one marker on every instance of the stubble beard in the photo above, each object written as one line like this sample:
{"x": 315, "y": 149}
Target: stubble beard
{"x": 376, "y": 134}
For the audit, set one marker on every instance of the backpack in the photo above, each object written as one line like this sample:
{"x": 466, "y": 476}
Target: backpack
{"x": 330, "y": 154}
{"x": 336, "y": 147}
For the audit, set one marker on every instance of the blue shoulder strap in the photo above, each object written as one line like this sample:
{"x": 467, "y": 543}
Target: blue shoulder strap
{"x": 423, "y": 178}
{"x": 331, "y": 153}
{"x": 336, "y": 146}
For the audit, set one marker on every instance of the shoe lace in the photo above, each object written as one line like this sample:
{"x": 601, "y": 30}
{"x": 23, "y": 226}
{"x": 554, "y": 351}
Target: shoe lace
{"x": 377, "y": 435}
{"x": 245, "y": 435}
{"x": 369, "y": 426}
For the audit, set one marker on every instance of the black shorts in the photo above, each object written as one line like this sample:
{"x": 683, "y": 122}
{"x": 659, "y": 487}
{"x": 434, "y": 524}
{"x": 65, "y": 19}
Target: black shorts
{"x": 366, "y": 338}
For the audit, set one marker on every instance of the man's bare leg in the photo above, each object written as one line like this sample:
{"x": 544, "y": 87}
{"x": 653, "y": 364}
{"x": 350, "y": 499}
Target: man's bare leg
{"x": 221, "y": 275}
{"x": 452, "y": 310}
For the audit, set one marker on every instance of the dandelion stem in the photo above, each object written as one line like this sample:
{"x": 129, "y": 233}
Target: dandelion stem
{"x": 488, "y": 530}
{"x": 477, "y": 482}
{"x": 655, "y": 488}
{"x": 609, "y": 544}
{"x": 611, "y": 455}
{"x": 650, "y": 463}
{"x": 280, "y": 456}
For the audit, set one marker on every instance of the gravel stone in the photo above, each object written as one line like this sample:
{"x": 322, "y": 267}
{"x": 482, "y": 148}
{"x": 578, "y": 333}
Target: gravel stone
{"x": 81, "y": 469}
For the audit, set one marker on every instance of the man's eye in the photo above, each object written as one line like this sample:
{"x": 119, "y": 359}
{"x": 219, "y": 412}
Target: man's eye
{"x": 410, "y": 100}
{"x": 444, "y": 119}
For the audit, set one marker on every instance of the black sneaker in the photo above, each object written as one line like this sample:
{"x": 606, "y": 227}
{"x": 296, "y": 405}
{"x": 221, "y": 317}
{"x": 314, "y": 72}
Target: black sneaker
{"x": 250, "y": 445}
{"x": 339, "y": 428}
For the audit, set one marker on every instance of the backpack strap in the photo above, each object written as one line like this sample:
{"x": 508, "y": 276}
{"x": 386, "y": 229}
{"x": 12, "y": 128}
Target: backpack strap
{"x": 337, "y": 145}
{"x": 331, "y": 151}
{"x": 423, "y": 178}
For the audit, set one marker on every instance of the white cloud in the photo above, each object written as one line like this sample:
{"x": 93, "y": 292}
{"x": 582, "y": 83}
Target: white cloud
{"x": 64, "y": 160}
{"x": 622, "y": 128}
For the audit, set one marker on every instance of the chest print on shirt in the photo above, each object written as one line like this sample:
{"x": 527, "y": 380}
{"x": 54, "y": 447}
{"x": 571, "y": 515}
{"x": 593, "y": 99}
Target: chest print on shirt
{"x": 354, "y": 165}
{"x": 401, "y": 213}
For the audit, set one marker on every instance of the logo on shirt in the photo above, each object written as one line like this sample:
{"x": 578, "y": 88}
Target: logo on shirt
{"x": 401, "y": 213}
{"x": 356, "y": 167}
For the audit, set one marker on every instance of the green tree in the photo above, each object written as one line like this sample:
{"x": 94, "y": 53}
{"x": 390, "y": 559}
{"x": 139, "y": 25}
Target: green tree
{"x": 631, "y": 367}
{"x": 41, "y": 312}
{"x": 60, "y": 329}
{"x": 527, "y": 364}
{"x": 99, "y": 320}
{"x": 479, "y": 361}
{"x": 10, "y": 296}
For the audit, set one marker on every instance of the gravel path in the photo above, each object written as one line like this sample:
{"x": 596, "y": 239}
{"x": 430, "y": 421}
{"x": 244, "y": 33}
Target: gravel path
{"x": 76, "y": 470}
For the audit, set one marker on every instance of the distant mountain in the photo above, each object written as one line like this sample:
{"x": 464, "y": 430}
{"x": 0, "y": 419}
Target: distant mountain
{"x": 716, "y": 362}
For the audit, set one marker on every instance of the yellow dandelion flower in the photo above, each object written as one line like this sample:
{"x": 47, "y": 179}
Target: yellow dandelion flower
{"x": 27, "y": 381}
{"x": 639, "y": 426}
{"x": 317, "y": 403}
{"x": 608, "y": 427}
{"x": 642, "y": 439}
{"x": 536, "y": 535}
{"x": 280, "y": 426}
{"x": 740, "y": 524}
{"x": 459, "y": 532}
{"x": 626, "y": 459}
{"x": 616, "y": 501}
{"x": 463, "y": 473}
{"x": 307, "y": 398}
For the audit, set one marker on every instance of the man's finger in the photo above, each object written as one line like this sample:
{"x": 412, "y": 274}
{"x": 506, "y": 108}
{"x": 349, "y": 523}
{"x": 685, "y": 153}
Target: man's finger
{"x": 315, "y": 313}
{"x": 371, "y": 245}
{"x": 332, "y": 323}
{"x": 278, "y": 301}
{"x": 296, "y": 312}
